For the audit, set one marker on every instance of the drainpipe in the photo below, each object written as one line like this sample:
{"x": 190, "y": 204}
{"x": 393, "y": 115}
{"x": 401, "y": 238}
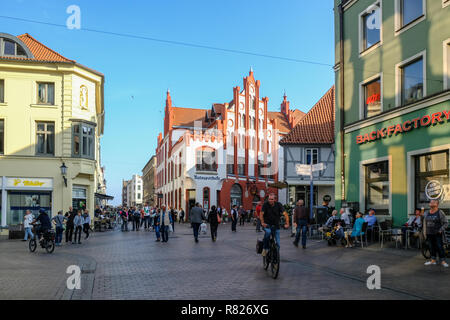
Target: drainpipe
{"x": 342, "y": 101}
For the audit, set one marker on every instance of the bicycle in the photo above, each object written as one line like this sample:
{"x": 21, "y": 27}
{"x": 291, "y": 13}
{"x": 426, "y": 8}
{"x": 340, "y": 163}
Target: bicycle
{"x": 272, "y": 257}
{"x": 47, "y": 242}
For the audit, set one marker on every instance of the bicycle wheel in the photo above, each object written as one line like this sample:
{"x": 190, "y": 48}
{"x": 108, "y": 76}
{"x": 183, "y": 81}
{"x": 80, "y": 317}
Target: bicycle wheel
{"x": 275, "y": 263}
{"x": 32, "y": 245}
{"x": 426, "y": 250}
{"x": 266, "y": 261}
{"x": 50, "y": 247}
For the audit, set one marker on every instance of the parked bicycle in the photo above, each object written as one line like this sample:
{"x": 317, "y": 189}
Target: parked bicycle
{"x": 47, "y": 241}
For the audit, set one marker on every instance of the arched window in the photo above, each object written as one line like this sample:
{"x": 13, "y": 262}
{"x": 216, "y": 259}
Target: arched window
{"x": 236, "y": 195}
{"x": 11, "y": 46}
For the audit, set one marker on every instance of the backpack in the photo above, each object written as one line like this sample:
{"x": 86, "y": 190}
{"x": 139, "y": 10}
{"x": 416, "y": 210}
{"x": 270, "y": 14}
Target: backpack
{"x": 137, "y": 214}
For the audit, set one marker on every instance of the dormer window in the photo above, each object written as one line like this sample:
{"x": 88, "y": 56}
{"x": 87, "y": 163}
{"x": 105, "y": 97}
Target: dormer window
{"x": 11, "y": 46}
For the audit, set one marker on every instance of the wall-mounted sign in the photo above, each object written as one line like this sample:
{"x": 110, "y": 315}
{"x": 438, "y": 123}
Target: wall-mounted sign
{"x": 30, "y": 183}
{"x": 408, "y": 125}
{"x": 434, "y": 190}
{"x": 197, "y": 177}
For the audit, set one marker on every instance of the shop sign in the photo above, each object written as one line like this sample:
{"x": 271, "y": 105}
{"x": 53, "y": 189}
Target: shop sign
{"x": 33, "y": 183}
{"x": 196, "y": 177}
{"x": 434, "y": 190}
{"x": 408, "y": 125}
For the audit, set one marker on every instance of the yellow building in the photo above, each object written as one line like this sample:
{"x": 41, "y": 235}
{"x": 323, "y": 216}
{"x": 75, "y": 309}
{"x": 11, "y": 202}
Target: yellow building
{"x": 51, "y": 118}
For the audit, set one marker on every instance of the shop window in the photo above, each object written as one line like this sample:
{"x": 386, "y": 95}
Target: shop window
{"x": 377, "y": 187}
{"x": 410, "y": 10}
{"x": 372, "y": 98}
{"x": 46, "y": 93}
{"x": 236, "y": 195}
{"x": 19, "y": 202}
{"x": 370, "y": 27}
{"x": 79, "y": 197}
{"x": 83, "y": 140}
{"x": 45, "y": 138}
{"x": 432, "y": 179}
{"x": 412, "y": 81}
{"x": 2, "y": 136}
{"x": 206, "y": 198}
{"x": 311, "y": 155}
{"x": 2, "y": 91}
{"x": 206, "y": 160}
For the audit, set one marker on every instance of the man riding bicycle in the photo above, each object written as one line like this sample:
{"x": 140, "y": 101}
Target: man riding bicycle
{"x": 270, "y": 218}
{"x": 44, "y": 225}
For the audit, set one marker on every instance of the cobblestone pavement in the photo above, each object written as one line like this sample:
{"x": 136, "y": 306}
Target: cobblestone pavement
{"x": 131, "y": 265}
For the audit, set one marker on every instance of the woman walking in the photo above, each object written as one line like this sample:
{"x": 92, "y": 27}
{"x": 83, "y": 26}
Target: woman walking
{"x": 166, "y": 220}
{"x": 435, "y": 223}
{"x": 213, "y": 219}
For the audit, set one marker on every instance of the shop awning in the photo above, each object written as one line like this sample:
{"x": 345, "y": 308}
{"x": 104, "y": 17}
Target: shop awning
{"x": 103, "y": 196}
{"x": 278, "y": 185}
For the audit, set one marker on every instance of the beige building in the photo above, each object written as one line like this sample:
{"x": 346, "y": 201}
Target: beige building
{"x": 148, "y": 178}
{"x": 51, "y": 121}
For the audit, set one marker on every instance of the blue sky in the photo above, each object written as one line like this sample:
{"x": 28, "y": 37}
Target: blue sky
{"x": 138, "y": 72}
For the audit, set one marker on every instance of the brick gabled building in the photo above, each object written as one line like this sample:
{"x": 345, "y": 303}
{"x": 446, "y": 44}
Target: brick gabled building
{"x": 227, "y": 154}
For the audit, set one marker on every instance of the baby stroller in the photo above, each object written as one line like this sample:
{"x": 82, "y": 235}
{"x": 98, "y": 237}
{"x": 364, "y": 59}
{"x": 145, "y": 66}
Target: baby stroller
{"x": 336, "y": 234}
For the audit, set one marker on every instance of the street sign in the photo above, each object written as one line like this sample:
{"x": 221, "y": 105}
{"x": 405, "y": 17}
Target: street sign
{"x": 318, "y": 167}
{"x": 303, "y": 169}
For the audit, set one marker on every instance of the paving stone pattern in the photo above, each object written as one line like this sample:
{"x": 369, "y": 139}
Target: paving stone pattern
{"x": 131, "y": 266}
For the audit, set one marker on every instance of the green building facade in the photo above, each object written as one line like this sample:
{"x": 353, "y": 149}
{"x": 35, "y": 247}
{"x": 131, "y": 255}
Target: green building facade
{"x": 392, "y": 105}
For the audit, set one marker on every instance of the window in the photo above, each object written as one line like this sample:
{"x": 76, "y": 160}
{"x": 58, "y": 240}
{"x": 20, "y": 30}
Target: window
{"x": 432, "y": 170}
{"x": 139, "y": 187}
{"x": 410, "y": 10}
{"x": 311, "y": 154}
{"x": 261, "y": 169}
{"x": 243, "y": 121}
{"x": 83, "y": 141}
{"x": 372, "y": 98}
{"x": 46, "y": 93}
{"x": 377, "y": 187}
{"x": 2, "y": 136}
{"x": 206, "y": 198}
{"x": 206, "y": 160}
{"x": 139, "y": 196}
{"x": 9, "y": 48}
{"x": 241, "y": 166}
{"x": 371, "y": 25}
{"x": 45, "y": 138}
{"x": 230, "y": 164}
{"x": 2, "y": 91}
{"x": 412, "y": 84}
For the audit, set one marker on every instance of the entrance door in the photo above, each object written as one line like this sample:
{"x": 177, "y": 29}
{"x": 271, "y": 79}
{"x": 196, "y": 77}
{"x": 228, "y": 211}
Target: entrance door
{"x": 236, "y": 195}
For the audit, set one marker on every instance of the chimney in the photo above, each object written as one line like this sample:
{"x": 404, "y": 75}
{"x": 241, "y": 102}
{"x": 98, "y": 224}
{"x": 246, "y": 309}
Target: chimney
{"x": 168, "y": 114}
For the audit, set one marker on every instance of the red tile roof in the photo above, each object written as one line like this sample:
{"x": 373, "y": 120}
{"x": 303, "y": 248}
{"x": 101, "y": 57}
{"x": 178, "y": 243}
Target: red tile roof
{"x": 317, "y": 127}
{"x": 281, "y": 120}
{"x": 187, "y": 116}
{"x": 40, "y": 51}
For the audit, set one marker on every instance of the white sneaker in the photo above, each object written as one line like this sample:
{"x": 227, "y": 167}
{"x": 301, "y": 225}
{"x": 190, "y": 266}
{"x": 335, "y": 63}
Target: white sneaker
{"x": 429, "y": 263}
{"x": 444, "y": 264}
{"x": 264, "y": 252}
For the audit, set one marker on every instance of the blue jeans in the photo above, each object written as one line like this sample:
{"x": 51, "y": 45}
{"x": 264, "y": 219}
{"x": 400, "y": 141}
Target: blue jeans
{"x": 28, "y": 232}
{"x": 59, "y": 235}
{"x": 267, "y": 232}
{"x": 165, "y": 233}
{"x": 196, "y": 226}
{"x": 158, "y": 235}
{"x": 302, "y": 227}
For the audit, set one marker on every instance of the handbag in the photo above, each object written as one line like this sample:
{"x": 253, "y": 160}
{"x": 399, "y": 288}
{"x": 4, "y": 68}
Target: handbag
{"x": 259, "y": 246}
{"x": 170, "y": 228}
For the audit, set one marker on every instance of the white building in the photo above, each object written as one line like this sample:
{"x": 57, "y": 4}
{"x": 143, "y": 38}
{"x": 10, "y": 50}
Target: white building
{"x": 134, "y": 191}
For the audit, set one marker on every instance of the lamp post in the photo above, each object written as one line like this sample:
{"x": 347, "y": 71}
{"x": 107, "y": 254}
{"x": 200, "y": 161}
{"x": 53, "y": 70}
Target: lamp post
{"x": 64, "y": 172}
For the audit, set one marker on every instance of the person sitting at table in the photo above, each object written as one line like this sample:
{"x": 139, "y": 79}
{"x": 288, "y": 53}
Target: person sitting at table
{"x": 371, "y": 220}
{"x": 414, "y": 223}
{"x": 330, "y": 222}
{"x": 345, "y": 216}
{"x": 356, "y": 231}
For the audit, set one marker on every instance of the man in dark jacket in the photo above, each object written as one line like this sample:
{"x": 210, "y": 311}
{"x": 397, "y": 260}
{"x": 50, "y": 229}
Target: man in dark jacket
{"x": 234, "y": 218}
{"x": 301, "y": 219}
{"x": 44, "y": 221}
{"x": 69, "y": 224}
{"x": 196, "y": 216}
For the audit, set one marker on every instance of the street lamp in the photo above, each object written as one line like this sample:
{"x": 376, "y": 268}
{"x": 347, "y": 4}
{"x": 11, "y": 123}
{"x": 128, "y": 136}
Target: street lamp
{"x": 64, "y": 172}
